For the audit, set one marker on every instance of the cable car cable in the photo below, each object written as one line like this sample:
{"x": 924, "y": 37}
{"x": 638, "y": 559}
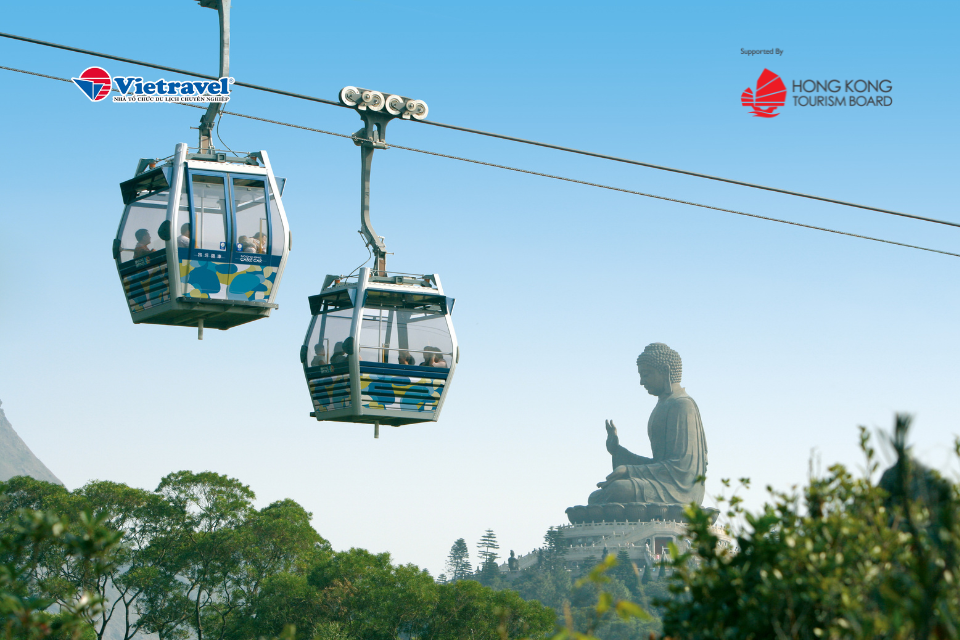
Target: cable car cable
{"x": 686, "y": 202}
{"x": 545, "y": 145}
{"x": 593, "y": 184}
{"x": 552, "y": 176}
{"x": 161, "y": 67}
{"x": 689, "y": 173}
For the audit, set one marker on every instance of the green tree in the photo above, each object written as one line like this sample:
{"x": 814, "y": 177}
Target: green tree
{"x": 25, "y": 538}
{"x": 372, "y": 598}
{"x": 555, "y": 550}
{"x": 845, "y": 559}
{"x": 207, "y": 548}
{"x": 647, "y": 573}
{"x": 62, "y": 576}
{"x": 662, "y": 575}
{"x": 625, "y": 570}
{"x": 141, "y": 518}
{"x": 549, "y": 587}
{"x": 288, "y": 599}
{"x": 466, "y": 609}
{"x": 614, "y": 615}
{"x": 276, "y": 543}
{"x": 487, "y": 547}
{"x": 50, "y": 570}
{"x": 458, "y": 562}
{"x": 489, "y": 574}
{"x": 23, "y": 492}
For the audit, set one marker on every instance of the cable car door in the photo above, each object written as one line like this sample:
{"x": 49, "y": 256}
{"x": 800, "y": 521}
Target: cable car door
{"x": 231, "y": 218}
{"x": 252, "y": 232}
{"x": 207, "y": 273}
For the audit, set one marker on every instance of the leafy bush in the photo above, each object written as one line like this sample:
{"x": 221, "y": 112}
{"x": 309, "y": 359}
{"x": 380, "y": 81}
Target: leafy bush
{"x": 847, "y": 559}
{"x": 28, "y": 541}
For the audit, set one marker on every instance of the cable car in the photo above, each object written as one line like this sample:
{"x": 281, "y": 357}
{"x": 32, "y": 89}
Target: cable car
{"x": 380, "y": 348}
{"x": 217, "y": 224}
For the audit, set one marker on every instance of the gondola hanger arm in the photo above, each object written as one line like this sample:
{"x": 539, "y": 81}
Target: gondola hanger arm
{"x": 376, "y": 109}
{"x": 210, "y": 116}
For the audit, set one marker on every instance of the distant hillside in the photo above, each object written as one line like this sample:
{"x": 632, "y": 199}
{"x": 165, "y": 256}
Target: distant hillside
{"x": 16, "y": 459}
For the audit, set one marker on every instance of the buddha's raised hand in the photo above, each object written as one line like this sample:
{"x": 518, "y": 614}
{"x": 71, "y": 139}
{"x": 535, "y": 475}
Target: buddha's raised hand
{"x": 612, "y": 440}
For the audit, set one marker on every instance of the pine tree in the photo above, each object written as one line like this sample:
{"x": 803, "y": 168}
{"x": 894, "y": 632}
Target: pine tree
{"x": 489, "y": 573}
{"x": 458, "y": 562}
{"x": 647, "y": 573}
{"x": 487, "y": 547}
{"x": 555, "y": 554}
{"x": 624, "y": 569}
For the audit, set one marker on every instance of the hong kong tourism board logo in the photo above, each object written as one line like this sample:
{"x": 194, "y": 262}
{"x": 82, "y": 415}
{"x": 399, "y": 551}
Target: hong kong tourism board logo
{"x": 96, "y": 84}
{"x": 771, "y": 94}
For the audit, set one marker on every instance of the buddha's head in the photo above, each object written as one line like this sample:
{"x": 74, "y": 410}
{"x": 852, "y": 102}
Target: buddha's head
{"x": 659, "y": 368}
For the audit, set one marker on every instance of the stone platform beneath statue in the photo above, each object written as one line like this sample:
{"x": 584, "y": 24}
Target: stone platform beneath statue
{"x": 632, "y": 512}
{"x": 644, "y": 542}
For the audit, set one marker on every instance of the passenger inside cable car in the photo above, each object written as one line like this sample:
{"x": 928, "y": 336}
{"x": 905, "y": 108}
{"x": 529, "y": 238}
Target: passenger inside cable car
{"x": 143, "y": 243}
{"x": 136, "y": 240}
{"x": 213, "y": 271}
{"x": 395, "y": 331}
{"x": 432, "y": 357}
{"x": 183, "y": 240}
{"x": 338, "y": 357}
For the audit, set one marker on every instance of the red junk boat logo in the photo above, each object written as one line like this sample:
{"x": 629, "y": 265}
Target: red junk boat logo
{"x": 770, "y": 94}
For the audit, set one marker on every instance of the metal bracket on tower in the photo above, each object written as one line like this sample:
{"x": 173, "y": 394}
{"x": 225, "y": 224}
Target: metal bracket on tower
{"x": 209, "y": 118}
{"x": 376, "y": 111}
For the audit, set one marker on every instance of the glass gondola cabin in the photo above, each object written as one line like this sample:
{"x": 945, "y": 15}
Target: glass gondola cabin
{"x": 217, "y": 224}
{"x": 380, "y": 349}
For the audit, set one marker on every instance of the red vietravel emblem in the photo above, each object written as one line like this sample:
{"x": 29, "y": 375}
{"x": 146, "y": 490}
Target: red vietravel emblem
{"x": 770, "y": 94}
{"x": 94, "y": 82}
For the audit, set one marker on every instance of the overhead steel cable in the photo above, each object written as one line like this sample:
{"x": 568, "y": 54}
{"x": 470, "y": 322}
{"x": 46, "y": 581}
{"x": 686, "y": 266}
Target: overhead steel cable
{"x": 689, "y": 173}
{"x": 501, "y": 136}
{"x": 161, "y": 67}
{"x": 547, "y": 175}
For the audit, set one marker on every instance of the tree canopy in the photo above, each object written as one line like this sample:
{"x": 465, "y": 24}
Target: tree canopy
{"x": 196, "y": 559}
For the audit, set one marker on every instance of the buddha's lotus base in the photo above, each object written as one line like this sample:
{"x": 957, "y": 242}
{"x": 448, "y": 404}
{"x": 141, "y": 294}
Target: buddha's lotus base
{"x": 632, "y": 512}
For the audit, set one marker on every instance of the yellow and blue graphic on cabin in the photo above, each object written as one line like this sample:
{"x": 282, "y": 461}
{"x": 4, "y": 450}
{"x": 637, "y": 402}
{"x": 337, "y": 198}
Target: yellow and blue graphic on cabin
{"x": 387, "y": 387}
{"x": 211, "y": 274}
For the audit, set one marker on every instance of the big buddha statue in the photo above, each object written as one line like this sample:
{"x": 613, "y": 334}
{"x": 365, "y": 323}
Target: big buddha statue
{"x": 641, "y": 487}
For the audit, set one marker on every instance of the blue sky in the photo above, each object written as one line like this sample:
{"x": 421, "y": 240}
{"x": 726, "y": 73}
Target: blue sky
{"x": 790, "y": 337}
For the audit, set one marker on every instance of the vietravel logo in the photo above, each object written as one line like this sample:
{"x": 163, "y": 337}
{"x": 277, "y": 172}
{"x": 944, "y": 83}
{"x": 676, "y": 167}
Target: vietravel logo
{"x": 95, "y": 83}
{"x": 771, "y": 94}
